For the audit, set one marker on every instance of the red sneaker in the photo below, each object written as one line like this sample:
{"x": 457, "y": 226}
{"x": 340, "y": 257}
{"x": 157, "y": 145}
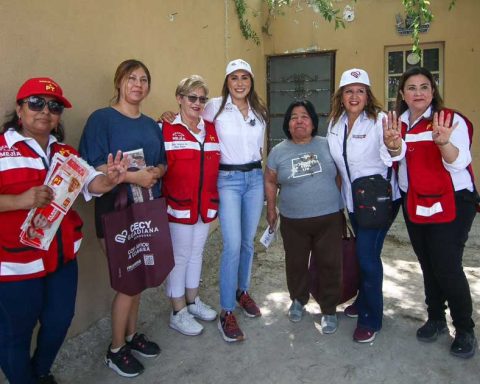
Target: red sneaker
{"x": 351, "y": 311}
{"x": 229, "y": 328}
{"x": 362, "y": 335}
{"x": 248, "y": 305}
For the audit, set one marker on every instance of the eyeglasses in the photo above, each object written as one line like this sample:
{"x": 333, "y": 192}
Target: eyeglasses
{"x": 194, "y": 98}
{"x": 36, "y": 104}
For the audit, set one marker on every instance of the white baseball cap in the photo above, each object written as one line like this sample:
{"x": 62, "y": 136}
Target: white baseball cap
{"x": 354, "y": 75}
{"x": 236, "y": 65}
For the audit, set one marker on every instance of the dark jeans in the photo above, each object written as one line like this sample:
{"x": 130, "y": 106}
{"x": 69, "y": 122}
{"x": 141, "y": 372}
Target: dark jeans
{"x": 49, "y": 300}
{"x": 320, "y": 238}
{"x": 439, "y": 249}
{"x": 369, "y": 245}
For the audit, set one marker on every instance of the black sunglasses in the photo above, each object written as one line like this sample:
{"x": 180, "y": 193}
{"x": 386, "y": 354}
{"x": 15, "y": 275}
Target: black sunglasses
{"x": 36, "y": 103}
{"x": 194, "y": 98}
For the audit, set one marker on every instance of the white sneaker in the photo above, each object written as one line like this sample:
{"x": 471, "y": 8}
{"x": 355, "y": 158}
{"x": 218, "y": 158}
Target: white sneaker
{"x": 184, "y": 322}
{"x": 202, "y": 311}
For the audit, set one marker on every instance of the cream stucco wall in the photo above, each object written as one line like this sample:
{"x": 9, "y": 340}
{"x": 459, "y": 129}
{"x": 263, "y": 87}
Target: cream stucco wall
{"x": 362, "y": 44}
{"x": 80, "y": 43}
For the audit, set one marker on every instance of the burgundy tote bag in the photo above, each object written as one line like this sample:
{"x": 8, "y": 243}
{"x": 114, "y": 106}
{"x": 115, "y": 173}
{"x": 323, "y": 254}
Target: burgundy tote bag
{"x": 138, "y": 244}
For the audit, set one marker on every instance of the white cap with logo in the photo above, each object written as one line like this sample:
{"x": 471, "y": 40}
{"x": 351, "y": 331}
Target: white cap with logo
{"x": 236, "y": 65}
{"x": 354, "y": 75}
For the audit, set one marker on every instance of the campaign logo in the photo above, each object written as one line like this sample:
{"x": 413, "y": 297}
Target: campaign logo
{"x": 136, "y": 230}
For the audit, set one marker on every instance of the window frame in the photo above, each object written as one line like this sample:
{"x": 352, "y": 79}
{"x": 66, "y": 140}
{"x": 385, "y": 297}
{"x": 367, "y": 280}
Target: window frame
{"x": 407, "y": 49}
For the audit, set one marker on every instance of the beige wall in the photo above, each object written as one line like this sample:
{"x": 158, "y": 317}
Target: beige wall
{"x": 80, "y": 43}
{"x": 362, "y": 44}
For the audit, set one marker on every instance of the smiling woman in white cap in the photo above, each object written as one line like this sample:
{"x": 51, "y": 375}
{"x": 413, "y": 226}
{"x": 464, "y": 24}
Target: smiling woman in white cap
{"x": 356, "y": 125}
{"x": 239, "y": 117}
{"x": 38, "y": 285}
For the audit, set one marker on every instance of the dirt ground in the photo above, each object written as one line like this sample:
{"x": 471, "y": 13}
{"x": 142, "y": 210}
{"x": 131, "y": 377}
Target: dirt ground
{"x": 278, "y": 351}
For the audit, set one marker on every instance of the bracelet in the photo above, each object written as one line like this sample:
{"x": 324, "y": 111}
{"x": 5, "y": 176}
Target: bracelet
{"x": 395, "y": 149}
{"x": 443, "y": 144}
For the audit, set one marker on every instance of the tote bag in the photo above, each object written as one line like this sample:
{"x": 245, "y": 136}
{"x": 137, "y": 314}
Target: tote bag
{"x": 138, "y": 244}
{"x": 350, "y": 268}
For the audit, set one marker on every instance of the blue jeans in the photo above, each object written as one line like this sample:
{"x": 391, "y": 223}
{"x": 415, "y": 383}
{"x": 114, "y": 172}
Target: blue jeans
{"x": 49, "y": 300}
{"x": 241, "y": 203}
{"x": 369, "y": 244}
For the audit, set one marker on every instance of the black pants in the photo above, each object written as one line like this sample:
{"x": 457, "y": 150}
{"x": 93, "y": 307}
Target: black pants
{"x": 439, "y": 248}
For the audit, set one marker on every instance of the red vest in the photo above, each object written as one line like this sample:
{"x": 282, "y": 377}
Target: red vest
{"x": 190, "y": 184}
{"x": 21, "y": 168}
{"x": 430, "y": 195}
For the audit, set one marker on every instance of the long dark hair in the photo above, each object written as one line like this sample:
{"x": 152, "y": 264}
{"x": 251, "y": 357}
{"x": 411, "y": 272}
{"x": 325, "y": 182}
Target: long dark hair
{"x": 256, "y": 103}
{"x": 13, "y": 121}
{"x": 311, "y": 112}
{"x": 437, "y": 101}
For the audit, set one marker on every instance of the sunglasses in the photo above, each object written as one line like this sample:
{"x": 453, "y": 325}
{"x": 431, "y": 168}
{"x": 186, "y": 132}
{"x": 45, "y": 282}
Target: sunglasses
{"x": 36, "y": 104}
{"x": 194, "y": 98}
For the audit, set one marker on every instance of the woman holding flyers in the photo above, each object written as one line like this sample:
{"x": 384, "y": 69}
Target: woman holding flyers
{"x": 38, "y": 285}
{"x": 123, "y": 127}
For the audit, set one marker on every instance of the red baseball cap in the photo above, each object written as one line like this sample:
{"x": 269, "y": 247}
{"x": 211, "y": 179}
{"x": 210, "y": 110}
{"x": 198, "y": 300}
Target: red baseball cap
{"x": 42, "y": 86}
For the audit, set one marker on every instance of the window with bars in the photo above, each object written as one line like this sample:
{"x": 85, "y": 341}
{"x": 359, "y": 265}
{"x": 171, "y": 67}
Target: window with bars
{"x": 401, "y": 58}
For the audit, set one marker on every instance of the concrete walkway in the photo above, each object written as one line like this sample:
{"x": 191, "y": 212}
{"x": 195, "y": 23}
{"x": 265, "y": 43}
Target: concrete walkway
{"x": 278, "y": 351}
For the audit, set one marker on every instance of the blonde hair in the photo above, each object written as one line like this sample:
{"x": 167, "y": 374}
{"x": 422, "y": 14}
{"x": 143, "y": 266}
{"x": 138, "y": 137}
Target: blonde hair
{"x": 189, "y": 84}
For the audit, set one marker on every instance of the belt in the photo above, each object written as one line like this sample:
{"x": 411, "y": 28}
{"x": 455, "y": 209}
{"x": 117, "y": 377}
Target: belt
{"x": 241, "y": 167}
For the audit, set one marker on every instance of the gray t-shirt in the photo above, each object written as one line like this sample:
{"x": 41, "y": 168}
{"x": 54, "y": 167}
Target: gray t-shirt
{"x": 306, "y": 174}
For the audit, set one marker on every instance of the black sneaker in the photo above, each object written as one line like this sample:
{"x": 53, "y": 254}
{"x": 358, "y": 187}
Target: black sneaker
{"x": 464, "y": 344}
{"x": 429, "y": 331}
{"x": 49, "y": 379}
{"x": 144, "y": 347}
{"x": 123, "y": 362}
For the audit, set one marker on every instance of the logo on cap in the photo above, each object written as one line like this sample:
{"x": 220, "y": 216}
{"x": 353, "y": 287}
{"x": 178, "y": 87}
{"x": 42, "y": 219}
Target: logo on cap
{"x": 355, "y": 74}
{"x": 50, "y": 87}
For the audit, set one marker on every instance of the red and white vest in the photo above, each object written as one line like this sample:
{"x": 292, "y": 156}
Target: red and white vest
{"x": 430, "y": 195}
{"x": 21, "y": 168}
{"x": 190, "y": 183}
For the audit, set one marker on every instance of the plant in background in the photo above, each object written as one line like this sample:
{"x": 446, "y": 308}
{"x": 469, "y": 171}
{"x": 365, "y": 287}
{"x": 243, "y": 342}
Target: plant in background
{"x": 418, "y": 11}
{"x": 245, "y": 26}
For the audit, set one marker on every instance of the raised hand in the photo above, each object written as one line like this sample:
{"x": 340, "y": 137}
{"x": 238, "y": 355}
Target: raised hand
{"x": 442, "y": 128}
{"x": 117, "y": 168}
{"x": 392, "y": 134}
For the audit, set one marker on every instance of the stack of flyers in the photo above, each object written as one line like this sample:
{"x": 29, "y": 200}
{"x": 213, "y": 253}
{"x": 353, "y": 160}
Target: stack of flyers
{"x": 66, "y": 177}
{"x": 137, "y": 161}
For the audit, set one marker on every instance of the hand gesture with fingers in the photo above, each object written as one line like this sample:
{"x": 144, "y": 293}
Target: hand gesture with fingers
{"x": 392, "y": 135}
{"x": 442, "y": 128}
{"x": 117, "y": 168}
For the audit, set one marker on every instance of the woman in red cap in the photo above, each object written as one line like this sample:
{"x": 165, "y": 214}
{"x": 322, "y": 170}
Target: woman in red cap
{"x": 38, "y": 285}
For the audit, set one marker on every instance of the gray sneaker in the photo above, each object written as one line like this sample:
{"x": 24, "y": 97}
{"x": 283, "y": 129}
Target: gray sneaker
{"x": 295, "y": 313}
{"x": 329, "y": 324}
